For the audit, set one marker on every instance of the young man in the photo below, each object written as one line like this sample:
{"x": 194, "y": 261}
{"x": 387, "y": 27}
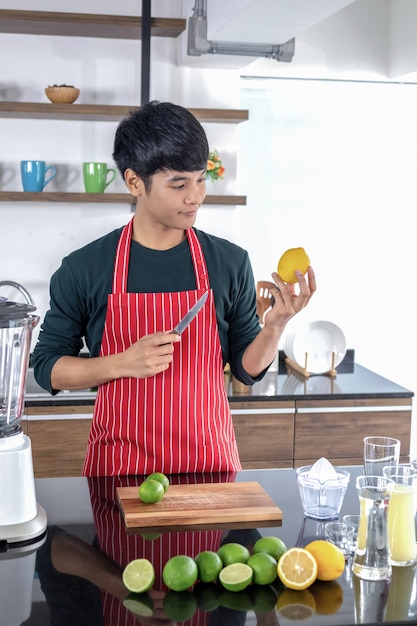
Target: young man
{"x": 161, "y": 403}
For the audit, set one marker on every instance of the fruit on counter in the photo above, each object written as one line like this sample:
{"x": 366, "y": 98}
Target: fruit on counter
{"x": 329, "y": 558}
{"x": 264, "y": 568}
{"x": 296, "y": 605}
{"x": 209, "y": 566}
{"x": 271, "y": 545}
{"x": 236, "y": 576}
{"x": 179, "y": 606}
{"x": 233, "y": 553}
{"x": 139, "y": 575}
{"x": 151, "y": 491}
{"x": 164, "y": 480}
{"x": 139, "y": 604}
{"x": 297, "y": 568}
{"x": 180, "y": 572}
{"x": 292, "y": 259}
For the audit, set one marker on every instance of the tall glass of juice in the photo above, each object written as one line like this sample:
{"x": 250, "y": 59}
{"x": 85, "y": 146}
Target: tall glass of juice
{"x": 401, "y": 511}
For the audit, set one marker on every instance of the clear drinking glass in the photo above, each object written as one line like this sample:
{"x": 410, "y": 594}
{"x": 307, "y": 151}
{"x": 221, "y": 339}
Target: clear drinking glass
{"x": 401, "y": 512}
{"x": 378, "y": 452}
{"x": 372, "y": 556}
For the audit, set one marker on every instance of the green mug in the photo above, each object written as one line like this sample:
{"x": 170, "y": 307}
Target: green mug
{"x": 97, "y": 176}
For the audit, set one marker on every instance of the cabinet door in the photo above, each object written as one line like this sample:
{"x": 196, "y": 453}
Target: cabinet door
{"x": 335, "y": 429}
{"x": 59, "y": 442}
{"x": 264, "y": 433}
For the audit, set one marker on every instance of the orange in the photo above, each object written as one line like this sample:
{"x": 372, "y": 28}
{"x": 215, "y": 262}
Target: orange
{"x": 297, "y": 568}
{"x": 330, "y": 559}
{"x": 292, "y": 259}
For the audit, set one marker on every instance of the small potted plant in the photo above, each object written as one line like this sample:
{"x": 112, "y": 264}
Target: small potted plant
{"x": 215, "y": 169}
{"x": 64, "y": 94}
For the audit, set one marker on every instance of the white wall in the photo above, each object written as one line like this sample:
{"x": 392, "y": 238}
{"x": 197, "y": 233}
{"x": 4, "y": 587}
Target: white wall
{"x": 355, "y": 223}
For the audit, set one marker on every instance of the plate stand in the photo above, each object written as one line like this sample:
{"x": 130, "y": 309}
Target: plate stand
{"x": 303, "y": 371}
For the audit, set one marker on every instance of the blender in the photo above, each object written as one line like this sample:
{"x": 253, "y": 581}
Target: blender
{"x": 22, "y": 520}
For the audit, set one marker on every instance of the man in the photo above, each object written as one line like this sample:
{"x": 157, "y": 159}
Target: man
{"x": 161, "y": 403}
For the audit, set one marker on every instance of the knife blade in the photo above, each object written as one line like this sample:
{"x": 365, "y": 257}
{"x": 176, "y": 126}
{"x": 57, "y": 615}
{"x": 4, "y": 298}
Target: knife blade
{"x": 188, "y": 317}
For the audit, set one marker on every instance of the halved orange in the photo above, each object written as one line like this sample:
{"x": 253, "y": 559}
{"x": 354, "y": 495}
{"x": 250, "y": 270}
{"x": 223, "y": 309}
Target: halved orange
{"x": 297, "y": 568}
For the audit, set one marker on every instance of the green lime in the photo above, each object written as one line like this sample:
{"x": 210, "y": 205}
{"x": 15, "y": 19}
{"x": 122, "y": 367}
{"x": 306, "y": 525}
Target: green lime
{"x": 264, "y": 598}
{"x": 151, "y": 491}
{"x": 236, "y": 577}
{"x": 180, "y": 572}
{"x": 209, "y": 565}
{"x": 179, "y": 606}
{"x": 138, "y": 575}
{"x": 208, "y": 596}
{"x": 151, "y": 536}
{"x": 161, "y": 478}
{"x": 264, "y": 568}
{"x": 139, "y": 604}
{"x": 233, "y": 553}
{"x": 271, "y": 545}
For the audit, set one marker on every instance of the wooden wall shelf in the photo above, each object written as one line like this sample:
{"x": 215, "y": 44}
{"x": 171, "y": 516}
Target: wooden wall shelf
{"x": 104, "y": 112}
{"x": 99, "y": 198}
{"x": 86, "y": 24}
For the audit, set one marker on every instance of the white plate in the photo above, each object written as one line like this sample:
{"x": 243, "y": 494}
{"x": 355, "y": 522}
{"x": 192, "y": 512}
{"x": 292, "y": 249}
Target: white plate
{"x": 319, "y": 340}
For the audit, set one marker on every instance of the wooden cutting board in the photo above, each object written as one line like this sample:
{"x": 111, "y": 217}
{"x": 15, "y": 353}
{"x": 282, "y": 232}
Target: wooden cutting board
{"x": 200, "y": 506}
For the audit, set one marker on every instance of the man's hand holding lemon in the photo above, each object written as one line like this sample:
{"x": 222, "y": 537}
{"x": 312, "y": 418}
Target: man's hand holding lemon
{"x": 295, "y": 285}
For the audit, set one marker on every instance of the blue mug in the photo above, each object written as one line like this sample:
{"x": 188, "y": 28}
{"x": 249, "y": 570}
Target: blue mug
{"x": 33, "y": 175}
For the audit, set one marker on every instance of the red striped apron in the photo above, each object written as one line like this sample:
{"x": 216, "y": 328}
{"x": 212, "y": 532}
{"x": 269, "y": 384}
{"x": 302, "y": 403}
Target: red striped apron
{"x": 179, "y": 420}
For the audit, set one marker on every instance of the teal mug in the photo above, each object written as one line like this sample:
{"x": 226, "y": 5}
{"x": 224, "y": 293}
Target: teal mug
{"x": 97, "y": 176}
{"x": 33, "y": 175}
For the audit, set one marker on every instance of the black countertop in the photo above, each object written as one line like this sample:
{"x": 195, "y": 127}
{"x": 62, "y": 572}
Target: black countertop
{"x": 95, "y": 547}
{"x": 352, "y": 381}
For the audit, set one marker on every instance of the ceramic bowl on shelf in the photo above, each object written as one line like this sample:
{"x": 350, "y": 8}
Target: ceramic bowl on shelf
{"x": 63, "y": 94}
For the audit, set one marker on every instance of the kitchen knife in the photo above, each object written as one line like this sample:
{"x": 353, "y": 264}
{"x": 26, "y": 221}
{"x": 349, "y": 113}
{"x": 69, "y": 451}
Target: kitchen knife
{"x": 188, "y": 317}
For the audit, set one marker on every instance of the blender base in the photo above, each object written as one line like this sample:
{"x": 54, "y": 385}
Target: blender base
{"x": 22, "y": 537}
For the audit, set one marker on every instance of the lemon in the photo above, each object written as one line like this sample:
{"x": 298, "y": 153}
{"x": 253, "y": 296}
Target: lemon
{"x": 292, "y": 259}
{"x": 233, "y": 553}
{"x": 328, "y": 596}
{"x": 209, "y": 566}
{"x": 179, "y": 606}
{"x": 264, "y": 568}
{"x": 330, "y": 559}
{"x": 139, "y": 604}
{"x": 271, "y": 545}
{"x": 296, "y": 605}
{"x": 138, "y": 575}
{"x": 236, "y": 577}
{"x": 164, "y": 480}
{"x": 180, "y": 572}
{"x": 151, "y": 491}
{"x": 297, "y": 568}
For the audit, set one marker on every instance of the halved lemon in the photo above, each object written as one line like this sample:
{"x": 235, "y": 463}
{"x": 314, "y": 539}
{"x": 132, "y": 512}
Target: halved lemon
{"x": 297, "y": 568}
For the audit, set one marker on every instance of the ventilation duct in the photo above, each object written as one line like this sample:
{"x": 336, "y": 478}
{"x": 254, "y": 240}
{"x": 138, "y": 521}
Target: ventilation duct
{"x": 198, "y": 43}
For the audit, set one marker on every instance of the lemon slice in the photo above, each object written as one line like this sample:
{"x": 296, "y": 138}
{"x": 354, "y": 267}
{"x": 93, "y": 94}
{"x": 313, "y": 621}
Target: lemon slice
{"x": 297, "y": 568}
{"x": 236, "y": 577}
{"x": 138, "y": 575}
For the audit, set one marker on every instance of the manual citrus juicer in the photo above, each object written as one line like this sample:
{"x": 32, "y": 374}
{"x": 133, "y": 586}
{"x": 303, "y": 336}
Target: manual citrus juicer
{"x": 22, "y": 520}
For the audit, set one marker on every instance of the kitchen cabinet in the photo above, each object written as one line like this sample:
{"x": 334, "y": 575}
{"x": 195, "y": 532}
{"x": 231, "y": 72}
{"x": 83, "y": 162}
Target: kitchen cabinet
{"x": 335, "y": 428}
{"x": 103, "y": 26}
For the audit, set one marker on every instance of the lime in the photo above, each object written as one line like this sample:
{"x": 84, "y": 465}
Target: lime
{"x": 179, "y": 606}
{"x": 161, "y": 478}
{"x": 236, "y": 577}
{"x": 150, "y": 536}
{"x": 151, "y": 491}
{"x": 233, "y": 553}
{"x": 264, "y": 568}
{"x": 271, "y": 545}
{"x": 180, "y": 572}
{"x": 139, "y": 604}
{"x": 208, "y": 596}
{"x": 238, "y": 601}
{"x": 263, "y": 597}
{"x": 138, "y": 575}
{"x": 209, "y": 565}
